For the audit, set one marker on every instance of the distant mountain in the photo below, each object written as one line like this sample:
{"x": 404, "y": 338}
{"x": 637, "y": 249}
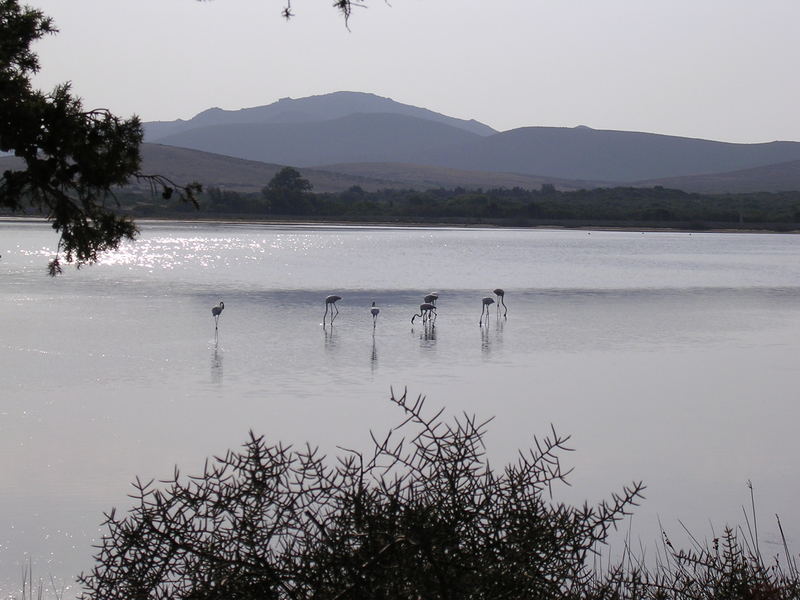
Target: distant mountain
{"x": 374, "y": 137}
{"x": 589, "y": 154}
{"x": 312, "y": 109}
{"x": 781, "y": 177}
{"x": 352, "y": 127}
{"x": 383, "y": 143}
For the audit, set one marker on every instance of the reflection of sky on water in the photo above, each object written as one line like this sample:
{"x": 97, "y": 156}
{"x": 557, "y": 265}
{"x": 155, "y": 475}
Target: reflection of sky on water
{"x": 670, "y": 358}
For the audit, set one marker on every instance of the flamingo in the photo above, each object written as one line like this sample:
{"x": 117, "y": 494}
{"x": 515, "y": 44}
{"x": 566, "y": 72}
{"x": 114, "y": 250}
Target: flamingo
{"x": 431, "y": 298}
{"x": 330, "y": 301}
{"x": 487, "y": 302}
{"x": 375, "y": 312}
{"x": 500, "y": 293}
{"x": 425, "y": 311}
{"x": 216, "y": 312}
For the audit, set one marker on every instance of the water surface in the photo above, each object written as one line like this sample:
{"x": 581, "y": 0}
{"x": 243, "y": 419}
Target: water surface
{"x": 670, "y": 358}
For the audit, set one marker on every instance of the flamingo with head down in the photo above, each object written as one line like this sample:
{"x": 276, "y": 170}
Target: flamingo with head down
{"x": 330, "y": 302}
{"x": 487, "y": 302}
{"x": 501, "y": 294}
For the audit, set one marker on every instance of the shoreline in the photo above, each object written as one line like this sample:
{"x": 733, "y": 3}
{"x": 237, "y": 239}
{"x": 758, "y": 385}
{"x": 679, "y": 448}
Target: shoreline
{"x": 765, "y": 228}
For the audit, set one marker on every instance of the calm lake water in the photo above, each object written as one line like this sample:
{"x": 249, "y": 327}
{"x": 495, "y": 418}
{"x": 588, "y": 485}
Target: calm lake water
{"x": 671, "y": 358}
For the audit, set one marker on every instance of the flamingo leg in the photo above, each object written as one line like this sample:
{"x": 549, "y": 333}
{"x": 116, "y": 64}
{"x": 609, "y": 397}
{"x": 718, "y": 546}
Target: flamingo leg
{"x": 505, "y": 308}
{"x": 326, "y": 313}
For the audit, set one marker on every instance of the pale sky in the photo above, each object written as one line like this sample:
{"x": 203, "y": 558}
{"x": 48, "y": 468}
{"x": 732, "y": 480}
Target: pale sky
{"x": 716, "y": 69}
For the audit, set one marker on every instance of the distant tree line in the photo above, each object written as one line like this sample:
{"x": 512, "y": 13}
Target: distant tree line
{"x": 290, "y": 196}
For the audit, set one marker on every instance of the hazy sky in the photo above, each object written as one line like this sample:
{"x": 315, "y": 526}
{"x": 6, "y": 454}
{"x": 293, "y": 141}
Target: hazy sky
{"x": 717, "y": 69}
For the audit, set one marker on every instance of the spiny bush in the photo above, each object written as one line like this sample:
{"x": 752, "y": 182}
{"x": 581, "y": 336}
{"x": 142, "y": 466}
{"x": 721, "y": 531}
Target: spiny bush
{"x": 422, "y": 515}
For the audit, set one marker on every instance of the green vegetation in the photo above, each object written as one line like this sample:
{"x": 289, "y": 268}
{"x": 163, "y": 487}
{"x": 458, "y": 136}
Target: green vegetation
{"x": 652, "y": 207}
{"x": 421, "y": 515}
{"x": 287, "y": 191}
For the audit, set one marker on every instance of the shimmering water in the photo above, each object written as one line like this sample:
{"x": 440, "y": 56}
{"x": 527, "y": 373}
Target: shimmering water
{"x": 670, "y": 357}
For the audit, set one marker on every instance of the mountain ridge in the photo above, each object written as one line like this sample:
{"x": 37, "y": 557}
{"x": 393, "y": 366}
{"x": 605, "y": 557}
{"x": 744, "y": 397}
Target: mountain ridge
{"x": 608, "y": 155}
{"x": 360, "y": 137}
{"x": 360, "y": 128}
{"x": 354, "y": 138}
{"x": 316, "y": 108}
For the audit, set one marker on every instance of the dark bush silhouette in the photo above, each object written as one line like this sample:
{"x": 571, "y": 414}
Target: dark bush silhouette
{"x": 421, "y": 516}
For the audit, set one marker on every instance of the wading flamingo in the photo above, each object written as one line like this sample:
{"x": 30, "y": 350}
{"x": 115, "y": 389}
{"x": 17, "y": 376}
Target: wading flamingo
{"x": 500, "y": 293}
{"x": 375, "y": 312}
{"x": 487, "y": 302}
{"x": 426, "y": 309}
{"x": 216, "y": 312}
{"x": 431, "y": 298}
{"x": 331, "y": 301}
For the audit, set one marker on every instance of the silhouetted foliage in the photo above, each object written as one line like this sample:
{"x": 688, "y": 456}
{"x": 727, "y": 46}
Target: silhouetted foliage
{"x": 345, "y": 7}
{"x": 423, "y": 515}
{"x": 652, "y": 207}
{"x": 288, "y": 193}
{"x": 727, "y": 569}
{"x": 74, "y": 158}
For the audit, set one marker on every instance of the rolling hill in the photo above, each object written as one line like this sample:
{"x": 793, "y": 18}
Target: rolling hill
{"x": 621, "y": 156}
{"x": 427, "y": 177}
{"x": 183, "y": 165}
{"x": 781, "y": 177}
